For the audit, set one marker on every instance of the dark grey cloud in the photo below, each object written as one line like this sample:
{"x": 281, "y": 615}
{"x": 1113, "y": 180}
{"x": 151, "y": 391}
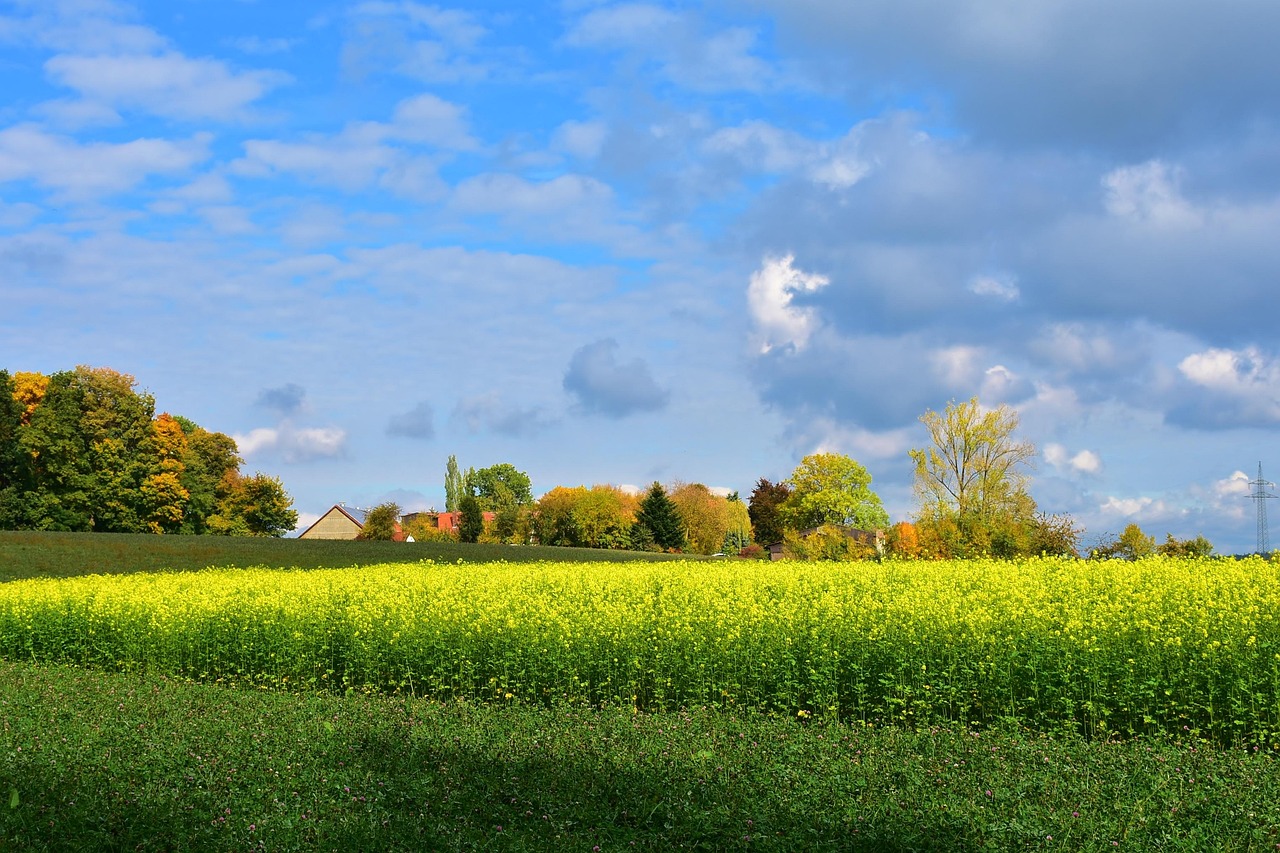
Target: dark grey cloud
{"x": 417, "y": 423}
{"x": 286, "y": 400}
{"x": 603, "y": 385}
{"x": 1125, "y": 75}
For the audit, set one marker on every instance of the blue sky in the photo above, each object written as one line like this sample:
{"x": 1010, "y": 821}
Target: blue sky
{"x": 626, "y": 242}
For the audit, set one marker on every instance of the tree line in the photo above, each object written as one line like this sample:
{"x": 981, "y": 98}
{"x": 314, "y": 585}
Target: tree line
{"x": 83, "y": 450}
{"x": 970, "y": 483}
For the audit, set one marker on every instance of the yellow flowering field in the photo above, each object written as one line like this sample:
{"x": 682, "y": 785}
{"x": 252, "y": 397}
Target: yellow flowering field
{"x": 1160, "y": 645}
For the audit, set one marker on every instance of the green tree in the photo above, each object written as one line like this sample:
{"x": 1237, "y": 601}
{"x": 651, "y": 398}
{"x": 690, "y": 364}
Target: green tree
{"x": 764, "y": 509}
{"x": 471, "y": 522}
{"x": 453, "y": 485}
{"x": 738, "y": 534}
{"x": 62, "y": 476}
{"x": 117, "y": 425}
{"x": 500, "y": 486}
{"x": 660, "y": 516}
{"x": 1131, "y": 544}
{"x": 253, "y": 506}
{"x": 971, "y": 482}
{"x": 210, "y": 464}
{"x": 380, "y": 523}
{"x": 830, "y": 488}
{"x": 1197, "y": 547}
{"x": 14, "y": 468}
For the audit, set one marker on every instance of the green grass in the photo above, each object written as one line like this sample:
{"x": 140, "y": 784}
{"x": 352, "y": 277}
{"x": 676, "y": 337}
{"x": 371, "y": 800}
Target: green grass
{"x": 98, "y": 761}
{"x": 94, "y": 761}
{"x": 38, "y": 554}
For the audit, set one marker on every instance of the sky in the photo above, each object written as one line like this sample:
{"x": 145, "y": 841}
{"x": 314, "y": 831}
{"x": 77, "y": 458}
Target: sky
{"x": 627, "y": 242}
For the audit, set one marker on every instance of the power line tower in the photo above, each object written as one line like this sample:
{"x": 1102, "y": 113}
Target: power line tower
{"x": 1259, "y": 495}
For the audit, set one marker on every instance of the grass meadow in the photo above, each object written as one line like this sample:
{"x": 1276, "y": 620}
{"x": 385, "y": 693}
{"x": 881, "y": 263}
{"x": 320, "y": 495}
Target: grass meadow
{"x": 431, "y": 705}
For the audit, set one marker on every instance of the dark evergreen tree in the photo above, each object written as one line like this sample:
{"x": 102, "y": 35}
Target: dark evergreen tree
{"x": 658, "y": 513}
{"x": 766, "y": 521}
{"x": 471, "y": 524}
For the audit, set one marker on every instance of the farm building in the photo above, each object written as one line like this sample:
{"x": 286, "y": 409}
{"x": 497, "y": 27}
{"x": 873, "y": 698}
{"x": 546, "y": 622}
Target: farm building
{"x": 340, "y": 522}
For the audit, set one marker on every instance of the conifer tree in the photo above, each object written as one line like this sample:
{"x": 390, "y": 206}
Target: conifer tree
{"x": 659, "y": 514}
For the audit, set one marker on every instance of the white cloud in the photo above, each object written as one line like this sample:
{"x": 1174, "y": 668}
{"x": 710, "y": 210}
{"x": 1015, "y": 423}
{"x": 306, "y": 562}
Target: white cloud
{"x": 1135, "y": 509}
{"x": 1149, "y": 192}
{"x": 821, "y": 434}
{"x": 582, "y": 139}
{"x": 679, "y": 46}
{"x": 1083, "y": 462}
{"x": 1235, "y": 372}
{"x": 291, "y": 443}
{"x": 503, "y": 193}
{"x": 167, "y": 84}
{"x": 769, "y": 294}
{"x": 432, "y": 120}
{"x": 620, "y": 25}
{"x": 99, "y": 168}
{"x": 957, "y": 366}
{"x": 1233, "y": 487}
{"x": 1003, "y": 287}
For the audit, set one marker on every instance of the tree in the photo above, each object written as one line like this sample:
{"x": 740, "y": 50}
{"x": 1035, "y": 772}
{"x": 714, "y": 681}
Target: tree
{"x": 14, "y": 473}
{"x": 500, "y": 486}
{"x": 453, "y": 486}
{"x": 704, "y": 517}
{"x": 830, "y": 488}
{"x": 738, "y": 533}
{"x": 602, "y": 517}
{"x": 61, "y": 472}
{"x": 1131, "y": 544}
{"x": 116, "y": 424}
{"x": 471, "y": 523}
{"x": 210, "y": 462}
{"x": 763, "y": 508}
{"x": 829, "y": 542}
{"x": 381, "y": 523}
{"x": 1055, "y": 535}
{"x": 904, "y": 540}
{"x": 1197, "y": 547}
{"x": 660, "y": 516}
{"x": 971, "y": 482}
{"x": 253, "y": 506}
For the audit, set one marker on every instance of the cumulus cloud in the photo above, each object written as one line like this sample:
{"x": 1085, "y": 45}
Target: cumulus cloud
{"x": 293, "y": 444}
{"x": 1230, "y": 388}
{"x": 603, "y": 385}
{"x": 1082, "y": 462}
{"x": 769, "y": 296}
{"x": 418, "y": 422}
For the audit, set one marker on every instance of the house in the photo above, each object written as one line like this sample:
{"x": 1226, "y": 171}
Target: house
{"x": 446, "y": 521}
{"x": 340, "y": 522}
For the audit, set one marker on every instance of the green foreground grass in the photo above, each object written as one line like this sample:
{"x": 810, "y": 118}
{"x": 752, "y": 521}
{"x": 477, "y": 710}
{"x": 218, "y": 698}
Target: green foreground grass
{"x": 38, "y": 554}
{"x": 110, "y": 761}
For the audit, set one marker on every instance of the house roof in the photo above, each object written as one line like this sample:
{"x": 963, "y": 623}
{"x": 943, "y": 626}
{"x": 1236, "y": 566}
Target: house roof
{"x": 354, "y": 514}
